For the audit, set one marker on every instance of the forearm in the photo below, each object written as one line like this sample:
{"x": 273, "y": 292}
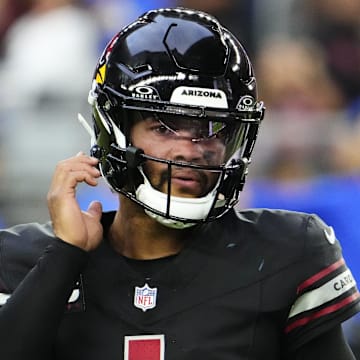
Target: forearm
{"x": 30, "y": 318}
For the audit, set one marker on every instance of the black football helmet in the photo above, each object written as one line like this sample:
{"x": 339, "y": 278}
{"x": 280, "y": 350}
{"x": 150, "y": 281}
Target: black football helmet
{"x": 173, "y": 64}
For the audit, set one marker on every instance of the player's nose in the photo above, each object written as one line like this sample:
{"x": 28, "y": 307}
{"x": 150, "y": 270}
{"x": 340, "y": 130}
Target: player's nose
{"x": 188, "y": 149}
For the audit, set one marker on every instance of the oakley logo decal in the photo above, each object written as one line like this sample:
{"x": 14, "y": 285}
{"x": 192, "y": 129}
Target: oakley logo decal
{"x": 246, "y": 103}
{"x": 145, "y": 92}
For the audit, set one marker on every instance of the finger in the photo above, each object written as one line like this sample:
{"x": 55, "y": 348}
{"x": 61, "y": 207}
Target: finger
{"x": 74, "y": 177}
{"x": 91, "y": 170}
{"x": 65, "y": 185}
{"x": 81, "y": 157}
{"x": 65, "y": 167}
{"x": 95, "y": 209}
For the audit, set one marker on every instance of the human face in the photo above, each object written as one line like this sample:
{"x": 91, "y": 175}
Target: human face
{"x": 190, "y": 141}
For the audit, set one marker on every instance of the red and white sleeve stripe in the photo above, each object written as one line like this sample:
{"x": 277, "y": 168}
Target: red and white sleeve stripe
{"x": 324, "y": 295}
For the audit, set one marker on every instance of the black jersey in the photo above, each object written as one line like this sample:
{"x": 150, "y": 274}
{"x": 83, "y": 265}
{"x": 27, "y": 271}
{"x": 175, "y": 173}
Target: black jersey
{"x": 255, "y": 284}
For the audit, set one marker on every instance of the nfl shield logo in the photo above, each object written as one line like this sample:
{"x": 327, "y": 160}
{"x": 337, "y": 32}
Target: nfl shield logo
{"x": 145, "y": 297}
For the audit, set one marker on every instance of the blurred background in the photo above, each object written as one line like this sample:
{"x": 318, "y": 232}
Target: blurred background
{"x": 306, "y": 55}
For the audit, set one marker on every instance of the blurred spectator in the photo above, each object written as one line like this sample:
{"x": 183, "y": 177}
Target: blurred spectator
{"x": 293, "y": 77}
{"x": 345, "y": 153}
{"x": 10, "y": 10}
{"x": 50, "y": 52}
{"x": 303, "y": 108}
{"x": 335, "y": 24}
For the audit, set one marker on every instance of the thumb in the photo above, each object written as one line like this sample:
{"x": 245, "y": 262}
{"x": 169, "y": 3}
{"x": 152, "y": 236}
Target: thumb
{"x": 95, "y": 209}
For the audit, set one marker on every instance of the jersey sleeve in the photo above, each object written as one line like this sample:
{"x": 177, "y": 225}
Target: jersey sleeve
{"x": 20, "y": 248}
{"x": 327, "y": 294}
{"x": 32, "y": 311}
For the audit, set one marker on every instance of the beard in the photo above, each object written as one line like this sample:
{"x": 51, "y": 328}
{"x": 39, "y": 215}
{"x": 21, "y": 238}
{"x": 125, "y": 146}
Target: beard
{"x": 203, "y": 178}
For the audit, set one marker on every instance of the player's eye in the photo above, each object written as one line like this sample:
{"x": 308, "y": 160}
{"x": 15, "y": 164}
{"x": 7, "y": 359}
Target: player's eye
{"x": 162, "y": 129}
{"x": 199, "y": 129}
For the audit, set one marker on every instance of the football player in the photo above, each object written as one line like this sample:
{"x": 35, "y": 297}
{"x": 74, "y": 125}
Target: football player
{"x": 176, "y": 272}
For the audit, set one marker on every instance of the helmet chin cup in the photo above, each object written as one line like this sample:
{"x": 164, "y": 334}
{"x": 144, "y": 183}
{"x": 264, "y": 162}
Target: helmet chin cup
{"x": 192, "y": 209}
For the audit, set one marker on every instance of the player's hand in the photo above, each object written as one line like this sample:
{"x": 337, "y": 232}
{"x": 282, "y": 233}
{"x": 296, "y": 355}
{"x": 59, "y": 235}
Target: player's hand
{"x": 80, "y": 228}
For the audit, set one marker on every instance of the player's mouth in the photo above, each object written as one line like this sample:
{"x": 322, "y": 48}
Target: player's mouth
{"x": 188, "y": 183}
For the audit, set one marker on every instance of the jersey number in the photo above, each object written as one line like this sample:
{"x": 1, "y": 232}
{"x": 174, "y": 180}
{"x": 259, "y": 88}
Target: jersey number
{"x": 149, "y": 347}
